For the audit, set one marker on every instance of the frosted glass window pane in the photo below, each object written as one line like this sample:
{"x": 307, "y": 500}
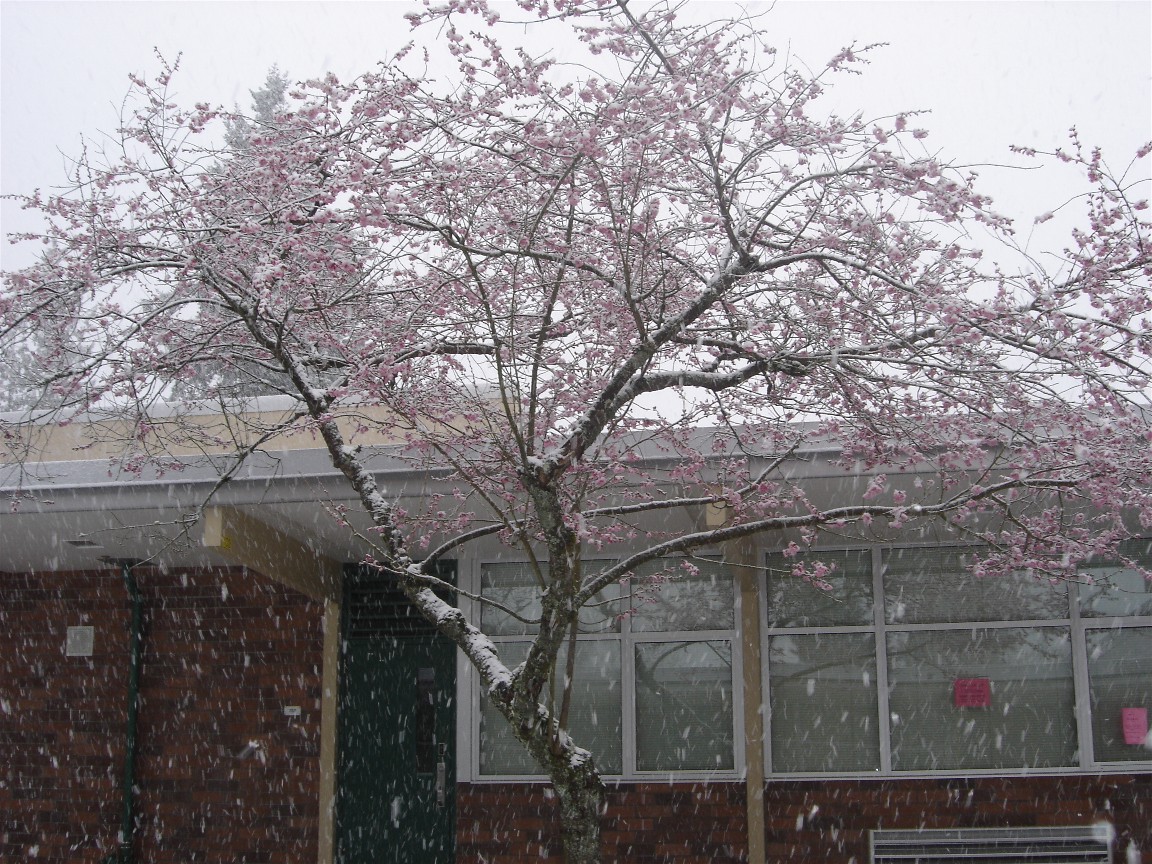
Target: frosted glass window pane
{"x": 1115, "y": 590}
{"x": 515, "y": 586}
{"x": 594, "y": 717}
{"x": 824, "y": 703}
{"x": 1029, "y": 718}
{"x": 604, "y": 613}
{"x": 928, "y": 586}
{"x": 1120, "y": 676}
{"x": 500, "y": 752}
{"x": 794, "y": 601}
{"x": 684, "y": 706}
{"x": 679, "y": 601}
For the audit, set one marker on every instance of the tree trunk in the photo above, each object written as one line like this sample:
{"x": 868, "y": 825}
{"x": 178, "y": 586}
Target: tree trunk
{"x": 581, "y": 796}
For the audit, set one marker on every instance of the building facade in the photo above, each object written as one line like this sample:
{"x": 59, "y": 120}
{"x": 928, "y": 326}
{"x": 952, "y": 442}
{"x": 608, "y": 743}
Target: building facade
{"x": 289, "y": 707}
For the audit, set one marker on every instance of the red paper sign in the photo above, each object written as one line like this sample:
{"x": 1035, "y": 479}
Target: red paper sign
{"x": 1135, "y": 723}
{"x": 972, "y": 692}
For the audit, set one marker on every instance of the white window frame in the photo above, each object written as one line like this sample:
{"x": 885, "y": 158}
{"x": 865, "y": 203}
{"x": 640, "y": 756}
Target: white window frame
{"x": 1077, "y": 625}
{"x": 469, "y": 695}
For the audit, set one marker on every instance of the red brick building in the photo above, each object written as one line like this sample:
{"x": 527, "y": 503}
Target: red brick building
{"x": 289, "y": 710}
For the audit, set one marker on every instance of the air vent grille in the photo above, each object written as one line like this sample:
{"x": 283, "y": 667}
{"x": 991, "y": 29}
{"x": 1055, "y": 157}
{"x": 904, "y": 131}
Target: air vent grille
{"x": 1064, "y": 845}
{"x": 376, "y": 607}
{"x": 381, "y": 609}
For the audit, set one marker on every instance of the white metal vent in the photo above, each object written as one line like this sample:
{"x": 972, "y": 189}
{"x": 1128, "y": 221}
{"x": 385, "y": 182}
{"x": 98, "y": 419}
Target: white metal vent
{"x": 1088, "y": 844}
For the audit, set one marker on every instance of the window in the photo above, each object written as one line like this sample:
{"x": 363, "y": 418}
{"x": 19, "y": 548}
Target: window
{"x": 824, "y": 702}
{"x": 1114, "y": 599}
{"x": 1120, "y": 672}
{"x": 1019, "y": 715}
{"x": 901, "y": 660}
{"x": 669, "y": 632}
{"x": 935, "y": 586}
{"x": 823, "y": 686}
{"x": 1113, "y": 589}
{"x": 684, "y": 706}
{"x": 595, "y": 717}
{"x": 843, "y": 599}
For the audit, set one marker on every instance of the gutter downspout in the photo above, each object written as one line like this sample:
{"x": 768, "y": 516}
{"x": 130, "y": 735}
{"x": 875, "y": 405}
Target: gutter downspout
{"x": 124, "y": 855}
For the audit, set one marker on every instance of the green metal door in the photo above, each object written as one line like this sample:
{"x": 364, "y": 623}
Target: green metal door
{"x": 396, "y": 801}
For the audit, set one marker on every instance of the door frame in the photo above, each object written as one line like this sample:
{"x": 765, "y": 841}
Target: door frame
{"x": 393, "y": 612}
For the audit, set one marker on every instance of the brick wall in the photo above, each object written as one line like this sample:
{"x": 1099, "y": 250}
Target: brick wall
{"x": 224, "y": 652}
{"x": 806, "y": 822}
{"x": 829, "y": 820}
{"x": 646, "y": 823}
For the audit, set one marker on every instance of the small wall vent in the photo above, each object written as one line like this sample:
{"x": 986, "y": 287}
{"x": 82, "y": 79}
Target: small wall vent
{"x": 1090, "y": 844}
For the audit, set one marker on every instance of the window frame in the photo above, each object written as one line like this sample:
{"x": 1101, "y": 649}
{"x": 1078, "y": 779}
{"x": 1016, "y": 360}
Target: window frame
{"x": 468, "y": 734}
{"x": 1078, "y": 627}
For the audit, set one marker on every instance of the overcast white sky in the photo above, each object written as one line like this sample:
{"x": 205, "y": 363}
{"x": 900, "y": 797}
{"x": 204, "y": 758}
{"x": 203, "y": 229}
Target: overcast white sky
{"x": 993, "y": 73}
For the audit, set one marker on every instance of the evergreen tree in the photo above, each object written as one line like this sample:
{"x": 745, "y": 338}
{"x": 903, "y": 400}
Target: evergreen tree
{"x": 17, "y": 390}
{"x": 231, "y": 374}
{"x": 268, "y": 103}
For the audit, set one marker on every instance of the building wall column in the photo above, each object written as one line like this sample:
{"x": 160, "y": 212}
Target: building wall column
{"x": 262, "y": 547}
{"x": 742, "y": 558}
{"x": 329, "y": 695}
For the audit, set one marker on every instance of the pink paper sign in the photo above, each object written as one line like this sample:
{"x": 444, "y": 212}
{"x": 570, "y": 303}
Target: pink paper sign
{"x": 1135, "y": 723}
{"x": 972, "y": 692}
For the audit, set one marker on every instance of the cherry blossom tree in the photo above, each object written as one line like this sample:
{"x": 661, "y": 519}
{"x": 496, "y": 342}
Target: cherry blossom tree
{"x": 232, "y": 375}
{"x": 531, "y": 272}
